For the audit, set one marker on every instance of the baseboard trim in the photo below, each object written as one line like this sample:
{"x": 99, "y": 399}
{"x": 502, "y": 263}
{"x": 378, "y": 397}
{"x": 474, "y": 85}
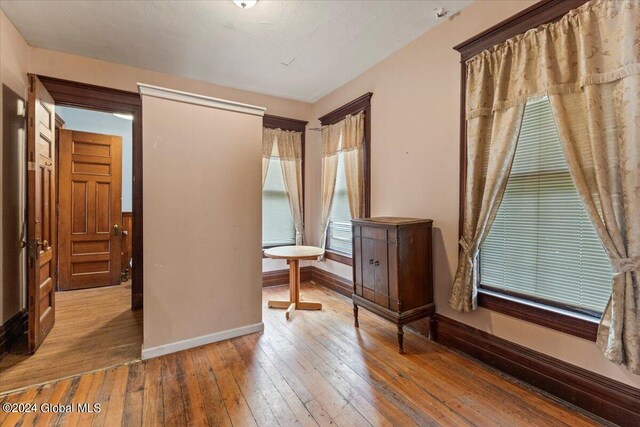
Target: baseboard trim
{"x": 281, "y": 277}
{"x": 148, "y": 353}
{"x": 602, "y": 396}
{"x": 332, "y": 281}
{"x": 11, "y": 330}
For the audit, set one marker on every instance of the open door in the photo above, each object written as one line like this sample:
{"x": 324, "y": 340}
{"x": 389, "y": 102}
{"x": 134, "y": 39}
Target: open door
{"x": 41, "y": 215}
{"x": 90, "y": 191}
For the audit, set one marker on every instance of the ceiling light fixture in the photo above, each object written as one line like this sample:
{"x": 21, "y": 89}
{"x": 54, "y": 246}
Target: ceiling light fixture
{"x": 124, "y": 116}
{"x": 245, "y": 4}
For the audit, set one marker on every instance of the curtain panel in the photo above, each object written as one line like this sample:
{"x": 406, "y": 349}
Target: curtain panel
{"x": 353, "y": 149}
{"x": 290, "y": 154}
{"x": 346, "y": 137}
{"x": 268, "y": 138}
{"x": 588, "y": 63}
{"x": 331, "y": 138}
{"x": 289, "y": 147}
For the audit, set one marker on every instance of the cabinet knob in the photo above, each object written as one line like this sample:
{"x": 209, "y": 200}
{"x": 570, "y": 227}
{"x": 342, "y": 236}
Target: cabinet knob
{"x": 371, "y": 261}
{"x": 377, "y": 263}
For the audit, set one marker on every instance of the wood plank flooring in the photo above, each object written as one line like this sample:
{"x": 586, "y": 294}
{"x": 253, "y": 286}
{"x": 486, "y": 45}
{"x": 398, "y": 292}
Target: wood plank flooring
{"x": 316, "y": 369}
{"x": 94, "y": 329}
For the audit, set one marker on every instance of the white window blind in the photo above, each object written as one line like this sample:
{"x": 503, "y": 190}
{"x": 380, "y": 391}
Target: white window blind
{"x": 277, "y": 221}
{"x": 542, "y": 244}
{"x": 339, "y": 231}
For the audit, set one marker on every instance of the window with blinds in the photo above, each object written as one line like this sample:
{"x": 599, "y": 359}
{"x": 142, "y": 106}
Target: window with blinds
{"x": 277, "y": 221}
{"x": 542, "y": 245}
{"x": 339, "y": 231}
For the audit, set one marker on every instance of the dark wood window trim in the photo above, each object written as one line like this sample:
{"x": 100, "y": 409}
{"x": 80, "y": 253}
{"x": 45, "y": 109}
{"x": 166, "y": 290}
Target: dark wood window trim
{"x": 362, "y": 103}
{"x": 292, "y": 125}
{"x": 541, "y": 13}
{"x": 82, "y": 95}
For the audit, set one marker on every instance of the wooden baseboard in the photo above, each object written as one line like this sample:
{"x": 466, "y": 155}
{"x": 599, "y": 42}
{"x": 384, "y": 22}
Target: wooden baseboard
{"x": 11, "y": 330}
{"x": 332, "y": 281}
{"x": 609, "y": 399}
{"x": 281, "y": 277}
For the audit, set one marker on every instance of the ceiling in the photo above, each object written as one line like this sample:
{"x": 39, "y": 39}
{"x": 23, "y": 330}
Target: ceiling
{"x": 294, "y": 49}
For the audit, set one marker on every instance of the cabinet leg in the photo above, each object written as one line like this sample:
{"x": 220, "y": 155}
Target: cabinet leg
{"x": 355, "y": 315}
{"x": 400, "y": 339}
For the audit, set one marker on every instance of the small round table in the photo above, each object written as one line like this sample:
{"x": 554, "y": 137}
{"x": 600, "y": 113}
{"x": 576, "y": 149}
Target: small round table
{"x": 293, "y": 255}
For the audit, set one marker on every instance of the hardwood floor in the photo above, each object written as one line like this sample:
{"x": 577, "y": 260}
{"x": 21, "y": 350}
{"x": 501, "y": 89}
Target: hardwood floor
{"x": 316, "y": 369}
{"x": 95, "y": 329}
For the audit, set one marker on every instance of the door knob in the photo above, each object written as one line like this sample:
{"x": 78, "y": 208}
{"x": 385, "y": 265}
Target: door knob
{"x": 116, "y": 230}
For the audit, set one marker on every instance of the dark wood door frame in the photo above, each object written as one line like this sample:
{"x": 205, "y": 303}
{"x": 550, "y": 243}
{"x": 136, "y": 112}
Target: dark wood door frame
{"x": 99, "y": 98}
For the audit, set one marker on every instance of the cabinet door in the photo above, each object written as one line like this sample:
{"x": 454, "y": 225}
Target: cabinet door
{"x": 381, "y": 280}
{"x": 368, "y": 269}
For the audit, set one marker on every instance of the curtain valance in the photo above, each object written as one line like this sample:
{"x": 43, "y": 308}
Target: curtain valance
{"x": 345, "y": 135}
{"x": 594, "y": 44}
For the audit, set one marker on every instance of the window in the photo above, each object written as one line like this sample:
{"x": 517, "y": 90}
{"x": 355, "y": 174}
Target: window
{"x": 277, "y": 221}
{"x": 278, "y": 226}
{"x": 339, "y": 231}
{"x": 542, "y": 245}
{"x": 338, "y": 235}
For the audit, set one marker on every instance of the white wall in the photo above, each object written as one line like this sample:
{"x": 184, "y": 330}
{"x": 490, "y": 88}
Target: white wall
{"x": 107, "y": 124}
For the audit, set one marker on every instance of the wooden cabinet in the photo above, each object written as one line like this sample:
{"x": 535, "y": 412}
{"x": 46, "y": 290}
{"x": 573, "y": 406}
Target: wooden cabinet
{"x": 392, "y": 269}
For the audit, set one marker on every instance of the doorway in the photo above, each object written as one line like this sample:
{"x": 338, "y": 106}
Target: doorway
{"x": 94, "y": 195}
{"x": 94, "y": 323}
{"x": 67, "y": 93}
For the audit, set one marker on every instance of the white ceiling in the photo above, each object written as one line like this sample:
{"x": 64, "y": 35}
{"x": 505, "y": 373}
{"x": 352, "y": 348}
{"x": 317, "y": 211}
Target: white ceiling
{"x": 294, "y": 49}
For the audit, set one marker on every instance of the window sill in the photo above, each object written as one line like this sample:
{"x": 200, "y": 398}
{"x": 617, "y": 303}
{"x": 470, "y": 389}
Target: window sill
{"x": 341, "y": 258}
{"x": 576, "y": 324}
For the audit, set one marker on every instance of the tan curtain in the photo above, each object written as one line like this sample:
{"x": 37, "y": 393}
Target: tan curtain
{"x": 268, "y": 137}
{"x": 331, "y": 140}
{"x": 588, "y": 63}
{"x": 353, "y": 152}
{"x": 290, "y": 154}
{"x": 600, "y": 133}
{"x": 491, "y": 145}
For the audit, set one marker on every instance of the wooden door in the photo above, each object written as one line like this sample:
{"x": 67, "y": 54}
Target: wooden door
{"x": 41, "y": 213}
{"x": 90, "y": 209}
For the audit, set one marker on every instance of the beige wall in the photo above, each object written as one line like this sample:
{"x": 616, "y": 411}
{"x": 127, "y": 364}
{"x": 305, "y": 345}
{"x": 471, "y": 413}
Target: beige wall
{"x": 88, "y": 70}
{"x": 414, "y": 166}
{"x": 202, "y": 220}
{"x": 14, "y": 60}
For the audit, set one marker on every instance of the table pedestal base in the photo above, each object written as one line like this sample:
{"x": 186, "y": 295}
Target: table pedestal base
{"x": 292, "y": 306}
{"x": 294, "y": 294}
